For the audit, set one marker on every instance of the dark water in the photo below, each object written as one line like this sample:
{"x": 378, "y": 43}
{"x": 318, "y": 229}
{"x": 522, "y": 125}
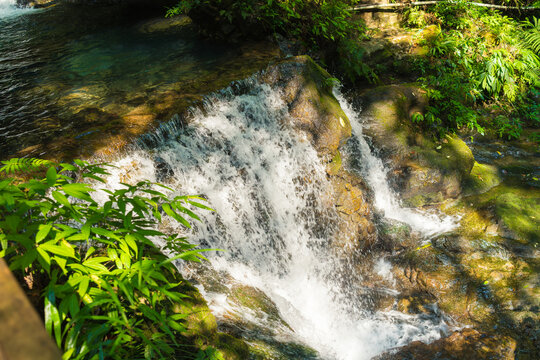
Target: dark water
{"x": 70, "y": 71}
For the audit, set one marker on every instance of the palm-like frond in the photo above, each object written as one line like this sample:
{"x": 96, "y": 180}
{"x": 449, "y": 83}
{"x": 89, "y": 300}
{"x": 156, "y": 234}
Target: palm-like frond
{"x": 23, "y": 164}
{"x": 531, "y": 38}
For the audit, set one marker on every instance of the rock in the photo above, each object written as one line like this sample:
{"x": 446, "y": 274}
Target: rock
{"x": 307, "y": 89}
{"x": 482, "y": 178}
{"x": 168, "y": 24}
{"x": 425, "y": 171}
{"x": 356, "y": 228}
{"x": 201, "y": 326}
{"x": 467, "y": 344}
{"x": 520, "y": 217}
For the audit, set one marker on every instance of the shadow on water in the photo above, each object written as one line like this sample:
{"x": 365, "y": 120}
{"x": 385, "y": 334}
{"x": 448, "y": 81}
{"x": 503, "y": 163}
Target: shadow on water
{"x": 84, "y": 80}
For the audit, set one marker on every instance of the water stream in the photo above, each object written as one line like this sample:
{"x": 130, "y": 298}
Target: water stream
{"x": 73, "y": 73}
{"x": 266, "y": 184}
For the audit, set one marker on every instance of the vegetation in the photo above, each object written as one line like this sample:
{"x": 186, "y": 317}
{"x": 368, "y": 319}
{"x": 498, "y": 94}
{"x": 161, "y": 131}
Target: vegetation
{"x": 107, "y": 288}
{"x": 323, "y": 26}
{"x": 481, "y": 70}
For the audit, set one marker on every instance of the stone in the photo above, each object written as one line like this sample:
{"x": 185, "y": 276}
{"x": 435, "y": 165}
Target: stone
{"x": 467, "y": 344}
{"x": 315, "y": 111}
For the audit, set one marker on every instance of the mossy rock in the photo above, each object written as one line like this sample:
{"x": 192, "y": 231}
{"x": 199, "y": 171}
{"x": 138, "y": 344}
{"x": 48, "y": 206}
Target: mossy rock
{"x": 202, "y": 330}
{"x": 314, "y": 110}
{"x": 520, "y": 217}
{"x": 482, "y": 178}
{"x": 426, "y": 170}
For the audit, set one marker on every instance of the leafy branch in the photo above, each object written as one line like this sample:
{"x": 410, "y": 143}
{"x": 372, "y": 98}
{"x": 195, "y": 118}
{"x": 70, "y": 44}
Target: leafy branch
{"x": 109, "y": 290}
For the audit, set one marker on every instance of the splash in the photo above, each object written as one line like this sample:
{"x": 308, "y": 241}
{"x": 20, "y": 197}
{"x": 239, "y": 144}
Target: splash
{"x": 266, "y": 184}
{"x": 376, "y": 174}
{"x": 9, "y": 8}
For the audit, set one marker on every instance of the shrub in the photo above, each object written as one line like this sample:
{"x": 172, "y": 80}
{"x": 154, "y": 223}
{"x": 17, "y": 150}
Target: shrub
{"x": 107, "y": 288}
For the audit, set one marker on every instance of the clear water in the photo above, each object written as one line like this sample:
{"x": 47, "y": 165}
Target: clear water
{"x": 71, "y": 71}
{"x": 240, "y": 153}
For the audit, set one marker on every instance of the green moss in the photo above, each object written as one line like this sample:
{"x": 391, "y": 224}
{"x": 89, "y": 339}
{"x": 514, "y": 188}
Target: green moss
{"x": 232, "y": 348}
{"x": 482, "y": 178}
{"x": 423, "y": 199}
{"x": 335, "y": 165}
{"x": 451, "y": 155}
{"x": 520, "y": 215}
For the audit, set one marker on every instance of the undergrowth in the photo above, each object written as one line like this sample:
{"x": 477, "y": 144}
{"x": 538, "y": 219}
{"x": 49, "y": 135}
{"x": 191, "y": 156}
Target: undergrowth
{"x": 481, "y": 69}
{"x": 321, "y": 26}
{"x": 107, "y": 291}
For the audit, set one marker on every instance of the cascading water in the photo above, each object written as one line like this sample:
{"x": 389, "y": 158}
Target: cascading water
{"x": 266, "y": 184}
{"x": 376, "y": 174}
{"x": 10, "y": 8}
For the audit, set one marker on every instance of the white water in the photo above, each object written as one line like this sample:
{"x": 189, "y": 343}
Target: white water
{"x": 9, "y": 8}
{"x": 267, "y": 185}
{"x": 386, "y": 200}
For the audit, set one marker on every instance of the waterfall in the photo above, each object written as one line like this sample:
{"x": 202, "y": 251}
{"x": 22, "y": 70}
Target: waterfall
{"x": 268, "y": 187}
{"x": 9, "y": 8}
{"x": 376, "y": 175}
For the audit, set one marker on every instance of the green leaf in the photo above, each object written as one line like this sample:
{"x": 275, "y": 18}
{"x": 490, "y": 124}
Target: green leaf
{"x": 174, "y": 215}
{"x": 132, "y": 243}
{"x": 51, "y": 176}
{"x": 43, "y": 231}
{"x": 61, "y": 250}
{"x": 77, "y": 190}
{"x": 61, "y": 198}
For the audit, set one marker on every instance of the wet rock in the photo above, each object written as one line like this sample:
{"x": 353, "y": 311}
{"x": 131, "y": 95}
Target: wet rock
{"x": 467, "y": 344}
{"x": 423, "y": 171}
{"x": 520, "y": 217}
{"x": 307, "y": 89}
{"x": 168, "y": 24}
{"x": 163, "y": 169}
{"x": 357, "y": 231}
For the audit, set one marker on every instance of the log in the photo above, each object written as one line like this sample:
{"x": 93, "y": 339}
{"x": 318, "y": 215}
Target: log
{"x": 423, "y": 3}
{"x": 22, "y": 334}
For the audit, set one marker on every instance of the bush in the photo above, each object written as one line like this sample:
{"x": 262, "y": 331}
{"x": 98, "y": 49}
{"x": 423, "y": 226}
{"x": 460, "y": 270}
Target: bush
{"x": 107, "y": 288}
{"x": 481, "y": 67}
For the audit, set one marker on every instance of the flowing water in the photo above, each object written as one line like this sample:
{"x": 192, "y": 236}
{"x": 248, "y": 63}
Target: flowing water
{"x": 376, "y": 174}
{"x": 240, "y": 154}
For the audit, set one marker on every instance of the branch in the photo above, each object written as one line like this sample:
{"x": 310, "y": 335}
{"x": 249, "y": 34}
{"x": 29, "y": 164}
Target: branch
{"x": 422, "y": 3}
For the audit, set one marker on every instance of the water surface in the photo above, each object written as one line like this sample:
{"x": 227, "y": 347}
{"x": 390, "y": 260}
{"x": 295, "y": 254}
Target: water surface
{"x": 72, "y": 75}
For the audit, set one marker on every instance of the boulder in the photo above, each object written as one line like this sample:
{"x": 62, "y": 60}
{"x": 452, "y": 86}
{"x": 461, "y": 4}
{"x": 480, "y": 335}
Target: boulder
{"x": 307, "y": 89}
{"x": 467, "y": 344}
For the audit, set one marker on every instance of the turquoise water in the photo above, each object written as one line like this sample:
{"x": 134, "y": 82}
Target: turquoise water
{"x": 61, "y": 62}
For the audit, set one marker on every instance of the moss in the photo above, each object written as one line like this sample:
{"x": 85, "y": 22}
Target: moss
{"x": 482, "y": 178}
{"x": 451, "y": 155}
{"x": 254, "y": 299}
{"x": 280, "y": 351}
{"x": 520, "y": 215}
{"x": 335, "y": 165}
{"x": 232, "y": 348}
{"x": 421, "y": 200}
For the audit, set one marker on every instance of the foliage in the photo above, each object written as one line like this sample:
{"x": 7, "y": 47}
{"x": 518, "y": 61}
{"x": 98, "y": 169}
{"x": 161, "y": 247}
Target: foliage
{"x": 319, "y": 24}
{"x": 481, "y": 68}
{"x": 107, "y": 288}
